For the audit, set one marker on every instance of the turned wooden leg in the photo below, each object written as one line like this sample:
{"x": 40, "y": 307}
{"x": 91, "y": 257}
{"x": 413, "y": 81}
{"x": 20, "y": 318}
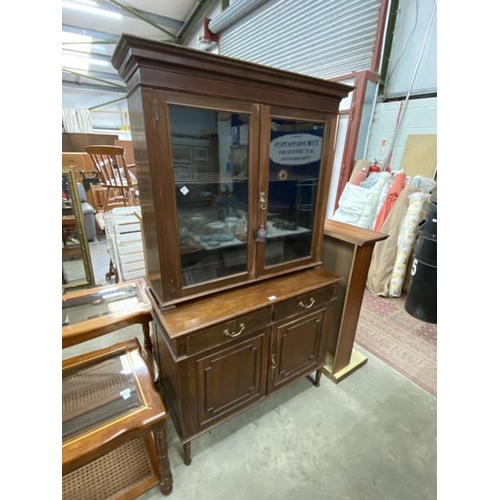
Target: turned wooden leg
{"x": 160, "y": 434}
{"x": 187, "y": 452}
{"x": 147, "y": 352}
{"x": 318, "y": 377}
{"x": 147, "y": 337}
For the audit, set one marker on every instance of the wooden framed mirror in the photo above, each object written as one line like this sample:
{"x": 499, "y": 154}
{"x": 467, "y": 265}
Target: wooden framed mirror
{"x": 76, "y": 262}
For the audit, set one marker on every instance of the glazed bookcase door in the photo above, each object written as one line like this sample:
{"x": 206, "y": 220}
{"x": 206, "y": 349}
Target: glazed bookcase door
{"x": 294, "y": 156}
{"x": 210, "y": 150}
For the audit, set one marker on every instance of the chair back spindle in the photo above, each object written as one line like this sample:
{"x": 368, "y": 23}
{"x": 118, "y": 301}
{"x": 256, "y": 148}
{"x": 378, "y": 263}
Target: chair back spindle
{"x": 114, "y": 174}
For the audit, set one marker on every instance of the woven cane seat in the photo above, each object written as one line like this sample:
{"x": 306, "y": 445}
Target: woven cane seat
{"x": 126, "y": 471}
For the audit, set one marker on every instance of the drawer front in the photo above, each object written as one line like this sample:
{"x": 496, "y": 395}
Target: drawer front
{"x": 303, "y": 303}
{"x": 226, "y": 332}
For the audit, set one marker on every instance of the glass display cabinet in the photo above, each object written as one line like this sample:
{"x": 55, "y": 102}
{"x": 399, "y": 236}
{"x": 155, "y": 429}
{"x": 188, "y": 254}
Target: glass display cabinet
{"x": 234, "y": 164}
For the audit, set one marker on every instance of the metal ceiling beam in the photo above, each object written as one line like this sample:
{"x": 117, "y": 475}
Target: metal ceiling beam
{"x": 104, "y": 104}
{"x": 90, "y": 77}
{"x": 93, "y": 55}
{"x": 108, "y": 37}
{"x": 166, "y": 22}
{"x": 196, "y": 15}
{"x": 140, "y": 16}
{"x": 93, "y": 86}
{"x": 96, "y": 74}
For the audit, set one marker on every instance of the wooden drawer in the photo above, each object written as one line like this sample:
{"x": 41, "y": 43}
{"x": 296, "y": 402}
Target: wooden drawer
{"x": 303, "y": 303}
{"x": 225, "y": 332}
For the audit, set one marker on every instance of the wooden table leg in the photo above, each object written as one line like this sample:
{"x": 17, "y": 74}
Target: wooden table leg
{"x": 187, "y": 452}
{"x": 318, "y": 377}
{"x": 166, "y": 481}
{"x": 147, "y": 336}
{"x": 147, "y": 352}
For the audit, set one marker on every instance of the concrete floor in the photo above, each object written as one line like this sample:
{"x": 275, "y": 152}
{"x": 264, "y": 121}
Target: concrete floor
{"x": 370, "y": 437}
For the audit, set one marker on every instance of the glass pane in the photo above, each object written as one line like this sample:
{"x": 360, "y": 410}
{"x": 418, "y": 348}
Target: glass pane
{"x": 98, "y": 393}
{"x": 101, "y": 303}
{"x": 210, "y": 157}
{"x": 294, "y": 167}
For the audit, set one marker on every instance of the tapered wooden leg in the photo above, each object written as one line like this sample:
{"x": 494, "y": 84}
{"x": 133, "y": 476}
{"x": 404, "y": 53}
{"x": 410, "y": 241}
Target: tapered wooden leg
{"x": 318, "y": 377}
{"x": 187, "y": 452}
{"x": 147, "y": 337}
{"x": 147, "y": 352}
{"x": 166, "y": 481}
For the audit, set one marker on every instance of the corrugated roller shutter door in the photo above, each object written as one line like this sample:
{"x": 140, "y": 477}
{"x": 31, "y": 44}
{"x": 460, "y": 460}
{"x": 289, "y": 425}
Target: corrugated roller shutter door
{"x": 324, "y": 39}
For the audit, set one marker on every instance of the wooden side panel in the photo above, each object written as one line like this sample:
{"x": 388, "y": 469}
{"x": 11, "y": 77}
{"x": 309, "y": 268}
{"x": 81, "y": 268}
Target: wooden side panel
{"x": 351, "y": 262}
{"x": 352, "y": 307}
{"x": 169, "y": 380}
{"x": 337, "y": 255}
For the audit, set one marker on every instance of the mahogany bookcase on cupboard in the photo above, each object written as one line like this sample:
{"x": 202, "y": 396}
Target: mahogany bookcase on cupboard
{"x": 234, "y": 163}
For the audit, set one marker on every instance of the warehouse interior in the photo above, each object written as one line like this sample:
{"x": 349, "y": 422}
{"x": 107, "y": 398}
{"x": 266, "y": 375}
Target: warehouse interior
{"x": 254, "y": 14}
{"x": 374, "y": 434}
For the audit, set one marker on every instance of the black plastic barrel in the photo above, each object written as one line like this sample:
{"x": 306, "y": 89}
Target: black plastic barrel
{"x": 421, "y": 300}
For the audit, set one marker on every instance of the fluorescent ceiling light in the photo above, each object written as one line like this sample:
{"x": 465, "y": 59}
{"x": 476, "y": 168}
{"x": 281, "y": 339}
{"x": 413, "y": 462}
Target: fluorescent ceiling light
{"x": 91, "y": 8}
{"x": 82, "y": 61}
{"x": 76, "y": 39}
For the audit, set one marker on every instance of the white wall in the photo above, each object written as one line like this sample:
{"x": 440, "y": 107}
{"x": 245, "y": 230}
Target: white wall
{"x": 420, "y": 117}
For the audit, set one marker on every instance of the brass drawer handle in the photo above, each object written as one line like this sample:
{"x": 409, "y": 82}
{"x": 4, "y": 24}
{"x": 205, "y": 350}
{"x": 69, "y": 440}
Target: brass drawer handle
{"x": 227, "y": 333}
{"x": 311, "y": 303}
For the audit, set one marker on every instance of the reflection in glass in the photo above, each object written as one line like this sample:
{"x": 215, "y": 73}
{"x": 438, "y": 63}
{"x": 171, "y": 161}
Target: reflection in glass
{"x": 294, "y": 168}
{"x": 210, "y": 158}
{"x": 98, "y": 393}
{"x": 101, "y": 303}
{"x": 76, "y": 265}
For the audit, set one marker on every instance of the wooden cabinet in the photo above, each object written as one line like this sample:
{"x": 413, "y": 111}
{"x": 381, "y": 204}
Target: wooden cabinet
{"x": 233, "y": 163}
{"x": 220, "y": 354}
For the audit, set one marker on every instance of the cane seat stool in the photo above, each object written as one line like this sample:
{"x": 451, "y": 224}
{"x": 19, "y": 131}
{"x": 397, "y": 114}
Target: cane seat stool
{"x": 114, "y": 438}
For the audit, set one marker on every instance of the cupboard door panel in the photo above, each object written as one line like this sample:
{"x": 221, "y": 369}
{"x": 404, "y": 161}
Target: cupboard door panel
{"x": 297, "y": 348}
{"x": 231, "y": 378}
